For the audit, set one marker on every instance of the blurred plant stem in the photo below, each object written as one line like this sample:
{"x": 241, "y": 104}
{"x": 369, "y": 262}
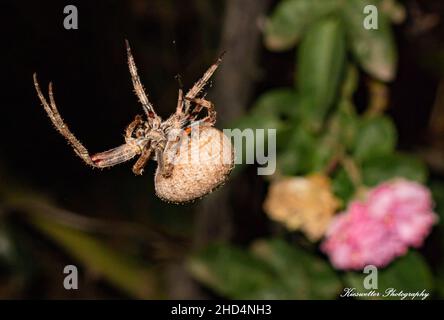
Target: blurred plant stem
{"x": 354, "y": 172}
{"x": 437, "y": 115}
{"x": 235, "y": 82}
{"x": 378, "y": 98}
{"x": 434, "y": 153}
{"x": 29, "y": 202}
{"x": 241, "y": 38}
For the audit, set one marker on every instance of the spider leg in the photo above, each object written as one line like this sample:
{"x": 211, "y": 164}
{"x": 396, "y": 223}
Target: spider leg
{"x": 179, "y": 108}
{"x": 199, "y": 85}
{"x": 178, "y": 77}
{"x": 165, "y": 167}
{"x": 201, "y": 104}
{"x": 131, "y": 127}
{"x": 138, "y": 87}
{"x": 115, "y": 156}
{"x": 60, "y": 125}
{"x": 143, "y": 159}
{"x": 99, "y": 160}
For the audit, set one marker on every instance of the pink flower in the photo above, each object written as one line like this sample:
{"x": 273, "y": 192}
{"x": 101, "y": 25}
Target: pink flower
{"x": 395, "y": 215}
{"x": 406, "y": 208}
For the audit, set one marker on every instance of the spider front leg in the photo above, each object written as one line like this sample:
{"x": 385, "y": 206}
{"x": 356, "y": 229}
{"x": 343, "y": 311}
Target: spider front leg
{"x": 100, "y": 160}
{"x": 131, "y": 127}
{"x": 210, "y": 119}
{"x": 60, "y": 125}
{"x": 202, "y": 82}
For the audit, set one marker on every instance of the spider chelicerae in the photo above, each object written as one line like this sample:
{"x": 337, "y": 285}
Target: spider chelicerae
{"x": 164, "y": 141}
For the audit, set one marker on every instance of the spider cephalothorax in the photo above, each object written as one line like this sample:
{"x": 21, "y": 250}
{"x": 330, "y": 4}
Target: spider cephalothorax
{"x": 193, "y": 157}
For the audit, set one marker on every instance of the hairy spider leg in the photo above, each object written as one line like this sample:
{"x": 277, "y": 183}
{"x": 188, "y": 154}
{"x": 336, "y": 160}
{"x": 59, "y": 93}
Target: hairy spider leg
{"x": 165, "y": 168}
{"x": 115, "y": 156}
{"x": 143, "y": 159}
{"x": 60, "y": 125}
{"x": 179, "y": 108}
{"x": 200, "y": 84}
{"x": 138, "y": 87}
{"x": 131, "y": 127}
{"x": 184, "y": 116}
{"x": 210, "y": 119}
{"x": 100, "y": 160}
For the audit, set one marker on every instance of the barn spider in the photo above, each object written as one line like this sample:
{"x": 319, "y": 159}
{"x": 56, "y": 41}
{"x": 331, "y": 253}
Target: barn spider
{"x": 152, "y": 138}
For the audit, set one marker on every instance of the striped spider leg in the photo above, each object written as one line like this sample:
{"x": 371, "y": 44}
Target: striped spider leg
{"x": 117, "y": 155}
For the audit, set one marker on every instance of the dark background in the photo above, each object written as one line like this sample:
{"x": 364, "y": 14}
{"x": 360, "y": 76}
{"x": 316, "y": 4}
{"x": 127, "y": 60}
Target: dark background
{"x": 94, "y": 95}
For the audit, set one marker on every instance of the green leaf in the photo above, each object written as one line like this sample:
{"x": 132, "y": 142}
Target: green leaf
{"x": 374, "y": 49}
{"x": 283, "y": 102}
{"x": 338, "y": 135}
{"x": 323, "y": 153}
{"x": 264, "y": 115}
{"x": 8, "y": 251}
{"x": 376, "y": 136}
{"x": 291, "y": 18}
{"x": 268, "y": 110}
{"x": 304, "y": 275}
{"x": 350, "y": 85}
{"x": 378, "y": 169}
{"x": 232, "y": 272}
{"x": 347, "y": 122}
{"x": 409, "y": 273}
{"x": 297, "y": 155}
{"x": 272, "y": 270}
{"x": 437, "y": 188}
{"x": 321, "y": 60}
{"x": 15, "y": 256}
{"x": 343, "y": 186}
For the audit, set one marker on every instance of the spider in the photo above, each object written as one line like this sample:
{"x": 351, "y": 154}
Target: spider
{"x": 170, "y": 142}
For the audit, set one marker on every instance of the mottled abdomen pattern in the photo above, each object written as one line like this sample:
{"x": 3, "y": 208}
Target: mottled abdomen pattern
{"x": 201, "y": 162}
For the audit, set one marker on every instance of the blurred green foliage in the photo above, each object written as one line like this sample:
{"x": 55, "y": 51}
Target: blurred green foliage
{"x": 321, "y": 130}
{"x": 374, "y": 50}
{"x": 316, "y": 120}
{"x": 271, "y": 269}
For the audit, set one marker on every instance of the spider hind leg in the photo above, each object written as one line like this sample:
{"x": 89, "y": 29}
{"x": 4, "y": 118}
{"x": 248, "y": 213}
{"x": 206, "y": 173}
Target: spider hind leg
{"x": 201, "y": 103}
{"x": 142, "y": 161}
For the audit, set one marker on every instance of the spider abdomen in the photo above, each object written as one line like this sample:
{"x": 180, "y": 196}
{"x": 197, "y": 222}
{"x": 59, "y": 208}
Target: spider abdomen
{"x": 200, "y": 163}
